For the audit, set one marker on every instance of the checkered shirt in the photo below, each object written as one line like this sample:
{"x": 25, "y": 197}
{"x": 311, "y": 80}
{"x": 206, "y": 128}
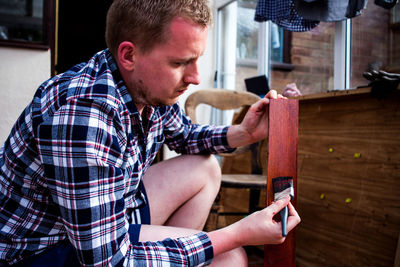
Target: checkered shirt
{"x": 72, "y": 165}
{"x": 283, "y": 13}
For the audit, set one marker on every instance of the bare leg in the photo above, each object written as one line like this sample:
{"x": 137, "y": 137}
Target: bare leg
{"x": 180, "y": 192}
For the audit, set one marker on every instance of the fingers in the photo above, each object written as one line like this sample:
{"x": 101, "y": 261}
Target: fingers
{"x": 275, "y": 207}
{"x": 261, "y": 104}
{"x": 273, "y": 94}
{"x": 293, "y": 219}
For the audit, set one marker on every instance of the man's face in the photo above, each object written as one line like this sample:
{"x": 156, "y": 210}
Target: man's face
{"x": 163, "y": 74}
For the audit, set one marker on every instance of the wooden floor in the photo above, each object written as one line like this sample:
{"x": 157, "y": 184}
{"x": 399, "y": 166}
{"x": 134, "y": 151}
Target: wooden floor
{"x": 255, "y": 256}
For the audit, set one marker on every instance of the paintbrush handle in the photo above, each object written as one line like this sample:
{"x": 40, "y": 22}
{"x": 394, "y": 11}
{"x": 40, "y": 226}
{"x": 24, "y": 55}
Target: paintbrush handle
{"x": 284, "y": 217}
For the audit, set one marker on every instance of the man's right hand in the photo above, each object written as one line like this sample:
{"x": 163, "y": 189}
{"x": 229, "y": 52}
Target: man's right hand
{"x": 258, "y": 228}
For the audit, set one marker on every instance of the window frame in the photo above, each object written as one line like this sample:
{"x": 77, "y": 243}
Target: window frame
{"x": 342, "y": 50}
{"x": 49, "y": 13}
{"x": 263, "y": 63}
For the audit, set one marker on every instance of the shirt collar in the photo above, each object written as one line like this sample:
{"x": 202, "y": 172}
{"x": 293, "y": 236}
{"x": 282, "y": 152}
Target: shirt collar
{"x": 121, "y": 87}
{"x": 120, "y": 84}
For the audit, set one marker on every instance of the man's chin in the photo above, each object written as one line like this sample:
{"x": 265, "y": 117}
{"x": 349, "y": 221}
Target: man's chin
{"x": 169, "y": 102}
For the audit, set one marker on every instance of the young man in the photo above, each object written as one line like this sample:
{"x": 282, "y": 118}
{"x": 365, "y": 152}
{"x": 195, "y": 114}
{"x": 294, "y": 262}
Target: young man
{"x": 76, "y": 183}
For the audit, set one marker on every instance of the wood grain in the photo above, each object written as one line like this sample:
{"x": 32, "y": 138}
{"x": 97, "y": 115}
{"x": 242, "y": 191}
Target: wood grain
{"x": 364, "y": 230}
{"x": 282, "y": 161}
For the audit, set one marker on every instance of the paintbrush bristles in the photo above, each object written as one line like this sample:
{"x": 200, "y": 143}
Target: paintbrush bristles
{"x": 283, "y": 186}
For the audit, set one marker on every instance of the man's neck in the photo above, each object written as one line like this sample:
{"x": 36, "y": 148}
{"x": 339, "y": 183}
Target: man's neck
{"x": 140, "y": 108}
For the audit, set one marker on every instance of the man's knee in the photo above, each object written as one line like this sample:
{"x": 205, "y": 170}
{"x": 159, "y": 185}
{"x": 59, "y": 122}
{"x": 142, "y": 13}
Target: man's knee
{"x": 235, "y": 257}
{"x": 213, "y": 170}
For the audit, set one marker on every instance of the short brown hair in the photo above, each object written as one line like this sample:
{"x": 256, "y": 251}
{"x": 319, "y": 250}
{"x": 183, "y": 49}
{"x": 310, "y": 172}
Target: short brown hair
{"x": 144, "y": 22}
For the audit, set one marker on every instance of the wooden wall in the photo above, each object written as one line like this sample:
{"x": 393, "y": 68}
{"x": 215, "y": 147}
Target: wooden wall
{"x": 348, "y": 179}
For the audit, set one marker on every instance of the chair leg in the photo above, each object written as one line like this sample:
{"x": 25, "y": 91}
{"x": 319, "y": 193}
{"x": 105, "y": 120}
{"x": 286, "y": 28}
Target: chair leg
{"x": 254, "y": 200}
{"x": 212, "y": 220}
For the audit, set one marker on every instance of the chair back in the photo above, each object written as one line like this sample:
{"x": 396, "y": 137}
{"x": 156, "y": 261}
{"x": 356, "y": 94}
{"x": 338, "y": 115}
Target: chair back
{"x": 222, "y": 99}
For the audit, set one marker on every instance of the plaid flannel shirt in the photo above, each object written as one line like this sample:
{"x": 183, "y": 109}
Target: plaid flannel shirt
{"x": 72, "y": 165}
{"x": 283, "y": 13}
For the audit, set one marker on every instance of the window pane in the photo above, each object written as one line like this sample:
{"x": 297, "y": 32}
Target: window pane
{"x": 22, "y": 20}
{"x": 247, "y": 43}
{"x": 312, "y": 58}
{"x": 396, "y": 14}
{"x": 239, "y": 41}
{"x": 370, "y": 44}
{"x": 276, "y": 43}
{"x": 247, "y": 33}
{"x": 394, "y": 64}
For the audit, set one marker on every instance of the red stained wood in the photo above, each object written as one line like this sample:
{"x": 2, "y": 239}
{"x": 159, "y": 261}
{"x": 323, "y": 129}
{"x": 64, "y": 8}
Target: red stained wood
{"x": 282, "y": 161}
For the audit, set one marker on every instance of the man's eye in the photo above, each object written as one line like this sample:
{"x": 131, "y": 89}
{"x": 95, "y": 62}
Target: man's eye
{"x": 181, "y": 63}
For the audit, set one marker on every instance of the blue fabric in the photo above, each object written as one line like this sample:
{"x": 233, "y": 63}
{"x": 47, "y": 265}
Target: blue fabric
{"x": 330, "y": 10}
{"x": 283, "y": 13}
{"x": 64, "y": 254}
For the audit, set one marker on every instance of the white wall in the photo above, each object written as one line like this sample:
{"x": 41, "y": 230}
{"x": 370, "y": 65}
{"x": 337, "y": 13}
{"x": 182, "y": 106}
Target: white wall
{"x": 21, "y": 72}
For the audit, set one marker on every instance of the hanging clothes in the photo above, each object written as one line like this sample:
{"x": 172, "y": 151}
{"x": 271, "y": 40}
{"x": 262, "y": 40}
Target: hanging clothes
{"x": 329, "y": 10}
{"x": 283, "y": 13}
{"x": 388, "y": 4}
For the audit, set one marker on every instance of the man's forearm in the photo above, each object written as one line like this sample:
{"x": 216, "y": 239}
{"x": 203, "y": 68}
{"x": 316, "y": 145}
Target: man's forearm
{"x": 237, "y": 136}
{"x": 224, "y": 239}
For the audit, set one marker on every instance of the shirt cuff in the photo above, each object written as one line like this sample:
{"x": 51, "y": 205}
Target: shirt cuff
{"x": 220, "y": 141}
{"x": 198, "y": 248}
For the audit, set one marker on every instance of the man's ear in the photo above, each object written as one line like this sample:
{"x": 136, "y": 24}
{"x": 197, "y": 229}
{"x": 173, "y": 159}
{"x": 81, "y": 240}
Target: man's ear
{"x": 127, "y": 55}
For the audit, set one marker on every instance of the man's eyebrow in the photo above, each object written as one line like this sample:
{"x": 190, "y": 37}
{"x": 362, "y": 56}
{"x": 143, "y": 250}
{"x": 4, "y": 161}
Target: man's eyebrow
{"x": 188, "y": 58}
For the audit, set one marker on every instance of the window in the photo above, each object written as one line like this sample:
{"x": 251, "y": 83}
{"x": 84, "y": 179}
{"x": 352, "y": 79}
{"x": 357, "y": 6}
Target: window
{"x": 331, "y": 56}
{"x": 394, "y": 60}
{"x": 26, "y": 23}
{"x": 239, "y": 39}
{"x": 396, "y": 14}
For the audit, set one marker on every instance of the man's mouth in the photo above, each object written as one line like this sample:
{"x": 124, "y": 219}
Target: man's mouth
{"x": 181, "y": 91}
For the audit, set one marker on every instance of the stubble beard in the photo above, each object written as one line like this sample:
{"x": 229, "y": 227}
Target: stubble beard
{"x": 141, "y": 96}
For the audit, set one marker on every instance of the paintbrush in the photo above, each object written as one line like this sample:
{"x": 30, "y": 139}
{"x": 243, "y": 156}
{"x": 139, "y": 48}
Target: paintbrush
{"x": 283, "y": 186}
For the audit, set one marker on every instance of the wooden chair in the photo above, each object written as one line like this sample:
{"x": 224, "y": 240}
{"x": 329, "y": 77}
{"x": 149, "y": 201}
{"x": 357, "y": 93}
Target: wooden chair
{"x": 223, "y": 99}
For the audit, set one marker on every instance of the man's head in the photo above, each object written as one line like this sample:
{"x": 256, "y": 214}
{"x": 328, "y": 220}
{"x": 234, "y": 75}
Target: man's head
{"x": 145, "y": 22}
{"x": 157, "y": 45}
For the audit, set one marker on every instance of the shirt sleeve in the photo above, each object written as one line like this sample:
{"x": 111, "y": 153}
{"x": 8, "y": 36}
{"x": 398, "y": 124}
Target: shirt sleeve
{"x": 82, "y": 148}
{"x": 185, "y": 137}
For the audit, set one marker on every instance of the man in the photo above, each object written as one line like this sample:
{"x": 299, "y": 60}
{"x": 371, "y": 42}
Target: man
{"x": 76, "y": 182}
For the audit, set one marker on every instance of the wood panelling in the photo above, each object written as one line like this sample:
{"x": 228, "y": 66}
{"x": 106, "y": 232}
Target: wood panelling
{"x": 282, "y": 162}
{"x": 348, "y": 179}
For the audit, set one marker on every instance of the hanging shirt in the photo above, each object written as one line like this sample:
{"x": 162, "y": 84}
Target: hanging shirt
{"x": 284, "y": 14}
{"x": 329, "y": 10}
{"x": 72, "y": 166}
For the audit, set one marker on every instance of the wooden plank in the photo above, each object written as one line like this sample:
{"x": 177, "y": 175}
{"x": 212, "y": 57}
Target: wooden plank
{"x": 363, "y": 231}
{"x": 397, "y": 257}
{"x": 282, "y": 161}
{"x": 337, "y": 93}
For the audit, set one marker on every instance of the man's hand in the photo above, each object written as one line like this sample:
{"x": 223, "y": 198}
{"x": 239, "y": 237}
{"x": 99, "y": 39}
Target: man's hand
{"x": 261, "y": 227}
{"x": 254, "y": 126}
{"x": 258, "y": 228}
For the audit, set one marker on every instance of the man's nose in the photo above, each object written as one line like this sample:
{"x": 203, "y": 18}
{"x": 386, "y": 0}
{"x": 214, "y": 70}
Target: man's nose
{"x": 192, "y": 75}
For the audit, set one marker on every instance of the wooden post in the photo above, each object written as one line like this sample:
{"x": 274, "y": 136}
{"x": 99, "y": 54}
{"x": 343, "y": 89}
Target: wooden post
{"x": 282, "y": 161}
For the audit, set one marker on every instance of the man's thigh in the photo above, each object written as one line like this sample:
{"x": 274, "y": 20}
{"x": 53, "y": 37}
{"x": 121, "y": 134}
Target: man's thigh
{"x": 171, "y": 183}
